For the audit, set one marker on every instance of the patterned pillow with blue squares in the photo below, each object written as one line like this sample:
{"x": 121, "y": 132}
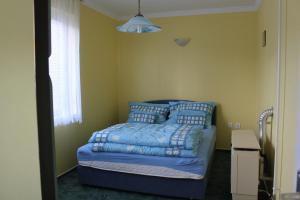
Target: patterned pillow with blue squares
{"x": 190, "y": 118}
{"x": 138, "y": 117}
{"x": 200, "y": 108}
{"x": 160, "y": 110}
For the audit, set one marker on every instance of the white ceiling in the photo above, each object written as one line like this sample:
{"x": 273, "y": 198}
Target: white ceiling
{"x": 124, "y": 9}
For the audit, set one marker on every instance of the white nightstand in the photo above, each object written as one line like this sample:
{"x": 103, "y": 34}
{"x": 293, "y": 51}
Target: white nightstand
{"x": 244, "y": 165}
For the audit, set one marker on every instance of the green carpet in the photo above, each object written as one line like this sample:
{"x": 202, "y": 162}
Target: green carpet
{"x": 218, "y": 185}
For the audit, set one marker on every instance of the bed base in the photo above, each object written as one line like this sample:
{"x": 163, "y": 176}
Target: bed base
{"x": 181, "y": 188}
{"x": 169, "y": 187}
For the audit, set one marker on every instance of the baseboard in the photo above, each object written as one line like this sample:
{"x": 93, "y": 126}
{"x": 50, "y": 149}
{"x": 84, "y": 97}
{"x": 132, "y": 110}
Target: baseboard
{"x": 67, "y": 171}
{"x": 223, "y": 149}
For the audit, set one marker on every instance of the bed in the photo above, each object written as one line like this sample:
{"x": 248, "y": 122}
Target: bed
{"x": 182, "y": 177}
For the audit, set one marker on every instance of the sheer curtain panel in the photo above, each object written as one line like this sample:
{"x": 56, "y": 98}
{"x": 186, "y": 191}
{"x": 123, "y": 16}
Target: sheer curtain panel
{"x": 65, "y": 62}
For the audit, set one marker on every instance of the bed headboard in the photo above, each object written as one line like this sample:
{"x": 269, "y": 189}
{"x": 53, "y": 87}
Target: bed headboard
{"x": 166, "y": 101}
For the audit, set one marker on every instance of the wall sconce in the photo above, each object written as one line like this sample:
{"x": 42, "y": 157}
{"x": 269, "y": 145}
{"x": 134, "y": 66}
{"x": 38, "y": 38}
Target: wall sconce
{"x": 182, "y": 42}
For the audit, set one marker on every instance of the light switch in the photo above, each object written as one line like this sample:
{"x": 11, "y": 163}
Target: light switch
{"x": 238, "y": 125}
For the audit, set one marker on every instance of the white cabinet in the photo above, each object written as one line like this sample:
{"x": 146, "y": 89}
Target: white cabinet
{"x": 244, "y": 165}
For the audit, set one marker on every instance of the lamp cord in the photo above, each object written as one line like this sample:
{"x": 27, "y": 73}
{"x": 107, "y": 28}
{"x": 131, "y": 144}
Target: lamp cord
{"x": 139, "y": 8}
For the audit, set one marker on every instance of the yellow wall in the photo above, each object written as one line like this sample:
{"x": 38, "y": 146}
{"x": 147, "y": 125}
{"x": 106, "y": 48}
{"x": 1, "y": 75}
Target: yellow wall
{"x": 267, "y": 64}
{"x": 98, "y": 86}
{"x": 291, "y": 100}
{"x": 218, "y": 65}
{"x": 19, "y": 157}
{"x": 289, "y": 83}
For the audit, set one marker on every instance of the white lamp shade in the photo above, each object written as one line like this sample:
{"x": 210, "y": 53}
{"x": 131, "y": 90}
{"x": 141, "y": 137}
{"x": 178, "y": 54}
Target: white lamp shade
{"x": 139, "y": 24}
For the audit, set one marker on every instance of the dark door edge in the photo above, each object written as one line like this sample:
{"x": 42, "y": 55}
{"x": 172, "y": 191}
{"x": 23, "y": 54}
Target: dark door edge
{"x": 44, "y": 99}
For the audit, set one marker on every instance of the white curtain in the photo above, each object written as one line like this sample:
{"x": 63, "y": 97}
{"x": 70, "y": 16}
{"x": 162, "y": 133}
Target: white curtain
{"x": 64, "y": 63}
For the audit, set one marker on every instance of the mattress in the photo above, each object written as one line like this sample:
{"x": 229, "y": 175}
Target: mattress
{"x": 169, "y": 167}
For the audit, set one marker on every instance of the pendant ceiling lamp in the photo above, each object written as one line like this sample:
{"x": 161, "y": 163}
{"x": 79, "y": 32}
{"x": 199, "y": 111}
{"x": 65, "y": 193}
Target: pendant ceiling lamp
{"x": 139, "y": 24}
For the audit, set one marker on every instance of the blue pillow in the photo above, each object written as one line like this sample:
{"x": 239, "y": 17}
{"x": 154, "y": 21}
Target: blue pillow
{"x": 137, "y": 117}
{"x": 200, "y": 108}
{"x": 174, "y": 108}
{"x": 191, "y": 118}
{"x": 161, "y": 110}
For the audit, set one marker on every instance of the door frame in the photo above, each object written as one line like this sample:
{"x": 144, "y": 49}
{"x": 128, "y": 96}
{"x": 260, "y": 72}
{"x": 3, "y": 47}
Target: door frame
{"x": 42, "y": 20}
{"x": 280, "y": 95}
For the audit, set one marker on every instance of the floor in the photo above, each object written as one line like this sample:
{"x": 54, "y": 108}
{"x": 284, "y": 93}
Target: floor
{"x": 218, "y": 185}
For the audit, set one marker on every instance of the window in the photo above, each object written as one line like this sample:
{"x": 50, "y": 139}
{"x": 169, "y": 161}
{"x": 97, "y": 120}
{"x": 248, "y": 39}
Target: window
{"x": 64, "y": 63}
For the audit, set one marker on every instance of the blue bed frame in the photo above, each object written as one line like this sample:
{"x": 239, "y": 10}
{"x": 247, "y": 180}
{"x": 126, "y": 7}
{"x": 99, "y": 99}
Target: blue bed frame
{"x": 181, "y": 188}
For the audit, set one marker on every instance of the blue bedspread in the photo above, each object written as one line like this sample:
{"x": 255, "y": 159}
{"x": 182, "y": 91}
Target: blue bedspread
{"x": 184, "y": 167}
{"x": 149, "y": 139}
{"x": 144, "y": 150}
